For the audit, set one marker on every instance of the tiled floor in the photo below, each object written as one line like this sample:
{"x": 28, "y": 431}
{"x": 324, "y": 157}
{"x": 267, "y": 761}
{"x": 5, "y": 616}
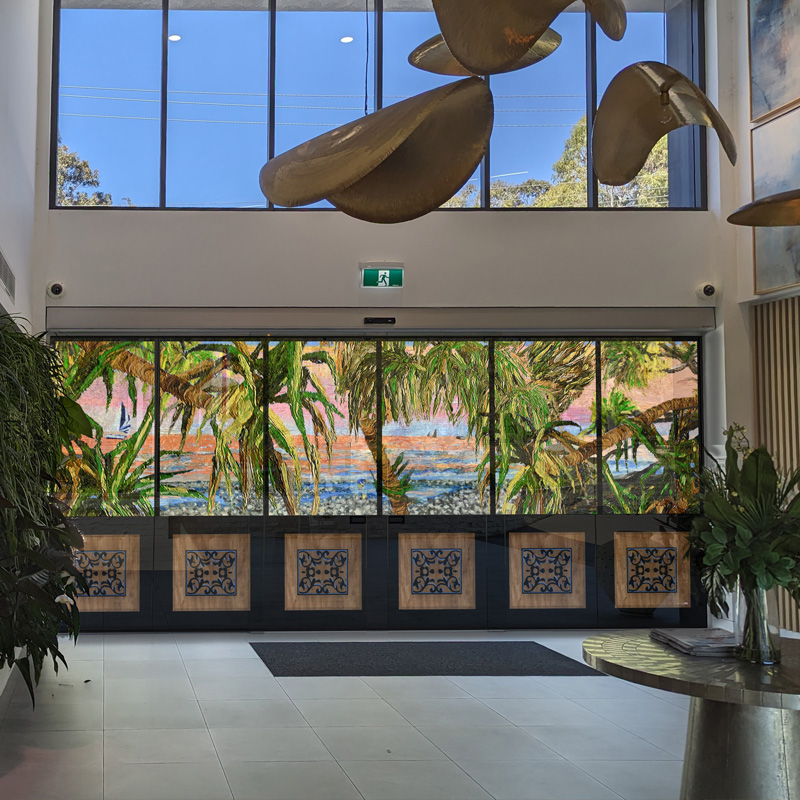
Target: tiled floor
{"x": 198, "y": 716}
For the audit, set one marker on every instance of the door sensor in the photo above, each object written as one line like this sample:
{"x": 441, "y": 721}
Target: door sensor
{"x": 380, "y": 320}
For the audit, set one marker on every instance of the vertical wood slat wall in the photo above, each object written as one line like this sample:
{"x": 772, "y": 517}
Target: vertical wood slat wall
{"x": 777, "y": 364}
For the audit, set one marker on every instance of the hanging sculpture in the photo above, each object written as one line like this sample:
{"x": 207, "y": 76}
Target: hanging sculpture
{"x": 491, "y": 37}
{"x": 434, "y": 55}
{"x": 643, "y": 103}
{"x": 411, "y": 157}
{"x": 394, "y": 165}
{"x": 774, "y": 211}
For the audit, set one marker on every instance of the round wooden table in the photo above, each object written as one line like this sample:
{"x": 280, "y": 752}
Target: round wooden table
{"x": 743, "y": 741}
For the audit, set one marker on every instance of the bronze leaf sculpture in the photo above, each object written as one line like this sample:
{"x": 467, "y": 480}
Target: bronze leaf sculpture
{"x": 644, "y": 102}
{"x": 489, "y": 37}
{"x": 434, "y": 55}
{"x": 774, "y": 211}
{"x": 394, "y": 165}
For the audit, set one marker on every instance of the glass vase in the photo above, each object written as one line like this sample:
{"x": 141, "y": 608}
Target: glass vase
{"x": 758, "y": 629}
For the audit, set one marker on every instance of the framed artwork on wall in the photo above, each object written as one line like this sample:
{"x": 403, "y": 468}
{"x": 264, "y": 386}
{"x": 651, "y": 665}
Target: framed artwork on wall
{"x": 776, "y": 168}
{"x": 774, "y": 56}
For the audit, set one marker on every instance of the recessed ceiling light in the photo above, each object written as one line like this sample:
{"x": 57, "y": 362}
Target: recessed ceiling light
{"x": 346, "y": 39}
{"x": 174, "y": 37}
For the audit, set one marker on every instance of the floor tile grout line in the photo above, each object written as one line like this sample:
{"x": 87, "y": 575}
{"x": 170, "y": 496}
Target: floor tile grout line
{"x": 621, "y": 796}
{"x": 336, "y": 760}
{"x": 205, "y": 722}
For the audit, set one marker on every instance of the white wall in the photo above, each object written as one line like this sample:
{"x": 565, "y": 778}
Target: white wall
{"x": 730, "y": 348}
{"x": 19, "y": 42}
{"x": 311, "y": 258}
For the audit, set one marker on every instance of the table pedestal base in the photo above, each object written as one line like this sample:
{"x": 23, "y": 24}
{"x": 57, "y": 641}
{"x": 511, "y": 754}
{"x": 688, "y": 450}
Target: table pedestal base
{"x": 741, "y": 752}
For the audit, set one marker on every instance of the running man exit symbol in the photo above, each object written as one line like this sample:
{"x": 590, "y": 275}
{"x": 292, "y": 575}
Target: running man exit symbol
{"x": 385, "y": 276}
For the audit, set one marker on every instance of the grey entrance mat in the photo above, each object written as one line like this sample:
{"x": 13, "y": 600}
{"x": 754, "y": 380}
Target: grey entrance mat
{"x": 321, "y": 659}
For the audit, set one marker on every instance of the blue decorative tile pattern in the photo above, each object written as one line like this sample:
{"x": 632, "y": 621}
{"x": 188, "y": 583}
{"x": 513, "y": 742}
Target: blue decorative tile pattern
{"x": 211, "y": 573}
{"x": 322, "y": 572}
{"x": 546, "y": 570}
{"x": 652, "y": 570}
{"x": 436, "y": 571}
{"x": 104, "y": 571}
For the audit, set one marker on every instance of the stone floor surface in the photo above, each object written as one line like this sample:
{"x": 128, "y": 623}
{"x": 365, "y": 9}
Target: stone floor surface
{"x": 198, "y": 716}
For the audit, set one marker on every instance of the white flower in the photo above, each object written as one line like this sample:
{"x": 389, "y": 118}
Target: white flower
{"x": 65, "y": 599}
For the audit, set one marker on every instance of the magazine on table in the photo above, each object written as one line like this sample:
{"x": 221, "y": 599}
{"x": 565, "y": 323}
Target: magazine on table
{"x": 708, "y": 642}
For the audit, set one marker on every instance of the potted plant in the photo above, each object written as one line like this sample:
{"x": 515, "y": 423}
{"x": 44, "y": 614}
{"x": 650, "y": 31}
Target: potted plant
{"x": 38, "y": 581}
{"x": 749, "y": 538}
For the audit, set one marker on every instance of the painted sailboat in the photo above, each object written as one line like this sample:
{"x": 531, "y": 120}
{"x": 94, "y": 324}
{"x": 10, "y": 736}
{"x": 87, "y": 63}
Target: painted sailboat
{"x": 124, "y": 424}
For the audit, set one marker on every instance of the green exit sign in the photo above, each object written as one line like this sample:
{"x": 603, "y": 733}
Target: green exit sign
{"x": 382, "y": 277}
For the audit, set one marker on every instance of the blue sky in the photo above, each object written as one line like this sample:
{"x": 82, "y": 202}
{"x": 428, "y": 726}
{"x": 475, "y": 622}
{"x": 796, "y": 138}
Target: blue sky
{"x": 110, "y": 75}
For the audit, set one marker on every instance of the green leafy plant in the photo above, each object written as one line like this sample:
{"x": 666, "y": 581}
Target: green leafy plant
{"x": 107, "y": 484}
{"x": 38, "y": 582}
{"x": 750, "y": 526}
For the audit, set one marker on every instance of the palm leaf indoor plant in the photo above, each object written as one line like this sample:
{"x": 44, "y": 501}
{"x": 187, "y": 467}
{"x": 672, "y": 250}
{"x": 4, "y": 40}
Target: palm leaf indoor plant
{"x": 38, "y": 581}
{"x": 749, "y": 538}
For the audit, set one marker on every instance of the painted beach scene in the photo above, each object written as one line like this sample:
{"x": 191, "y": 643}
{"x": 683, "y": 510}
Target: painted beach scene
{"x": 319, "y": 427}
{"x": 774, "y": 55}
{"x": 776, "y": 168}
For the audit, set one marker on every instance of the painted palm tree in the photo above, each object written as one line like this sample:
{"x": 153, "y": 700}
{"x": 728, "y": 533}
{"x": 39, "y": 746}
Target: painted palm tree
{"x": 535, "y": 384}
{"x": 224, "y": 383}
{"x": 291, "y": 381}
{"x": 118, "y": 482}
{"x": 668, "y": 483}
{"x": 402, "y": 401}
{"x": 227, "y": 385}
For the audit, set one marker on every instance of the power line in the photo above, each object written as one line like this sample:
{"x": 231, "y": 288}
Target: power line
{"x": 280, "y": 94}
{"x": 257, "y": 122}
{"x": 293, "y": 107}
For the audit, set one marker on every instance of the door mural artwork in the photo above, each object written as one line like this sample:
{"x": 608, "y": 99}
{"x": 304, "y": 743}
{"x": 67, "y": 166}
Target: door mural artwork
{"x": 547, "y": 570}
{"x": 110, "y": 564}
{"x": 289, "y": 435}
{"x": 323, "y": 572}
{"x": 651, "y": 570}
{"x": 437, "y": 571}
{"x": 210, "y": 572}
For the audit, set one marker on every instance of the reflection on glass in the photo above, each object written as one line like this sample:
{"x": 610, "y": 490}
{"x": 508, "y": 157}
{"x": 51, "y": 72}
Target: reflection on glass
{"x": 436, "y": 433}
{"x": 544, "y": 394}
{"x": 109, "y": 106}
{"x": 322, "y": 74}
{"x": 650, "y": 426}
{"x": 217, "y": 103}
{"x": 111, "y": 473}
{"x": 645, "y": 40}
{"x": 212, "y": 428}
{"x": 538, "y": 146}
{"x": 323, "y": 435}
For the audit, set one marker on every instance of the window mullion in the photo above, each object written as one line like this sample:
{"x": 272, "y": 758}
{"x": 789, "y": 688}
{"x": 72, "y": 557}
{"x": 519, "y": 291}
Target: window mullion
{"x": 378, "y": 53}
{"x": 591, "y": 107}
{"x": 272, "y": 58}
{"x": 162, "y": 191}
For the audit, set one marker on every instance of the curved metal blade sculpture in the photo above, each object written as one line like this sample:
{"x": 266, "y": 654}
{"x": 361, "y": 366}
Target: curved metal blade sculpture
{"x": 774, "y": 211}
{"x": 394, "y": 165}
{"x": 434, "y": 55}
{"x": 643, "y": 103}
{"x": 408, "y": 159}
{"x": 491, "y": 37}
